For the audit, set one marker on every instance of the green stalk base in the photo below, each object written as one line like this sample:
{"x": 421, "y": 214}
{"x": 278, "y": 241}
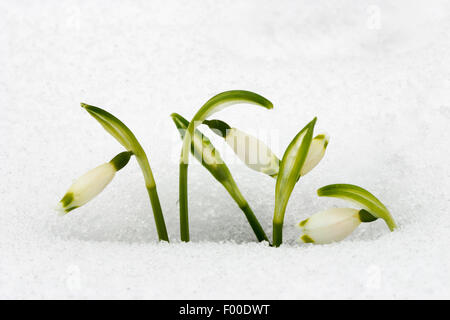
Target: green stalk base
{"x": 277, "y": 234}
{"x": 184, "y": 218}
{"x": 254, "y": 223}
{"x": 158, "y": 215}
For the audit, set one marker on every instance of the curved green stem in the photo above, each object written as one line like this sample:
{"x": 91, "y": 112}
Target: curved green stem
{"x": 126, "y": 138}
{"x": 235, "y": 193}
{"x": 204, "y": 151}
{"x": 254, "y": 223}
{"x": 361, "y": 197}
{"x": 213, "y": 105}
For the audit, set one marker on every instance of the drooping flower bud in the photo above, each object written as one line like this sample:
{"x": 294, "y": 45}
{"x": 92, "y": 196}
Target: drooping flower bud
{"x": 333, "y": 224}
{"x": 253, "y": 152}
{"x": 250, "y": 150}
{"x": 92, "y": 183}
{"x": 374, "y": 208}
{"x": 315, "y": 154}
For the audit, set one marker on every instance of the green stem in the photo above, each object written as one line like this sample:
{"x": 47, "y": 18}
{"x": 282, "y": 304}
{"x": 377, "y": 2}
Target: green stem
{"x": 215, "y": 104}
{"x": 237, "y": 196}
{"x": 184, "y": 218}
{"x": 277, "y": 233}
{"x": 254, "y": 223}
{"x": 157, "y": 214}
{"x": 150, "y": 184}
{"x": 126, "y": 138}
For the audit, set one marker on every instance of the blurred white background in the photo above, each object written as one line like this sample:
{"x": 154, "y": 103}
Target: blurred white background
{"x": 375, "y": 73}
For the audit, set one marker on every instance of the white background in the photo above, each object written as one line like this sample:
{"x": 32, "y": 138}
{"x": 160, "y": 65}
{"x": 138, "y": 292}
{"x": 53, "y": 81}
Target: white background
{"x": 375, "y": 73}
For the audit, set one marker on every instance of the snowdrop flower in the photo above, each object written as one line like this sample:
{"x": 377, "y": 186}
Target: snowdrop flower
{"x": 258, "y": 156}
{"x": 254, "y": 153}
{"x": 333, "y": 224}
{"x": 92, "y": 183}
{"x": 316, "y": 152}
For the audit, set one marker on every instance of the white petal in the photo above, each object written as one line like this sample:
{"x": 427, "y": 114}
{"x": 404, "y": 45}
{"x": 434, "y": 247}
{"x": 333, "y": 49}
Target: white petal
{"x": 253, "y": 152}
{"x": 316, "y": 153}
{"x": 60, "y": 209}
{"x": 90, "y": 184}
{"x": 331, "y": 225}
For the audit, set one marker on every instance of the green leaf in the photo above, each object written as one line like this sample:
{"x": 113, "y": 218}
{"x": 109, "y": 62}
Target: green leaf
{"x": 218, "y": 103}
{"x": 361, "y": 197}
{"x": 126, "y": 138}
{"x": 204, "y": 151}
{"x": 123, "y": 135}
{"x": 293, "y": 159}
{"x": 112, "y": 125}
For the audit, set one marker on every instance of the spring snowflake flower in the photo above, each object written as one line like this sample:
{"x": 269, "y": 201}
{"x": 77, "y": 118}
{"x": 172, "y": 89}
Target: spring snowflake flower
{"x": 89, "y": 185}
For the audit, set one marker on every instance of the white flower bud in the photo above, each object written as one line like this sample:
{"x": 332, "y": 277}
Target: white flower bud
{"x": 330, "y": 225}
{"x": 253, "y": 152}
{"x": 315, "y": 154}
{"x": 92, "y": 183}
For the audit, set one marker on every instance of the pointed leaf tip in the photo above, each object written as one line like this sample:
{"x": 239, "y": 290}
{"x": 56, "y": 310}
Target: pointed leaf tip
{"x": 290, "y": 169}
{"x": 217, "y": 103}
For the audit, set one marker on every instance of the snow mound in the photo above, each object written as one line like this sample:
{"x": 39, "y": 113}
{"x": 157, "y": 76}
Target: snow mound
{"x": 376, "y": 74}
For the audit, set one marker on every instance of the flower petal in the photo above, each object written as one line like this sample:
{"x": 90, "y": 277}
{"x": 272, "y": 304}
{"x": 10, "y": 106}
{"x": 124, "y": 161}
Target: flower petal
{"x": 330, "y": 225}
{"x": 88, "y": 186}
{"x": 315, "y": 154}
{"x": 253, "y": 152}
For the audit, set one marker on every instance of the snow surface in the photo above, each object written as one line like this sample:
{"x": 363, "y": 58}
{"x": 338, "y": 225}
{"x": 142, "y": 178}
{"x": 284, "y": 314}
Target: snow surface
{"x": 376, "y": 73}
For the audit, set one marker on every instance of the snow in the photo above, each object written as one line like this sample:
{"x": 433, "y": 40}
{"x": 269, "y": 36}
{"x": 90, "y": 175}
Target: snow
{"x": 375, "y": 73}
